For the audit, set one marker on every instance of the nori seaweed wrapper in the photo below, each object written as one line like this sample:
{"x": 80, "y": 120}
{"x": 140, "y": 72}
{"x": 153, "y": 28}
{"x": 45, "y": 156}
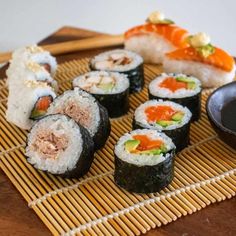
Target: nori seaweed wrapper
{"x": 135, "y": 76}
{"x": 179, "y": 136}
{"x": 116, "y": 104}
{"x": 193, "y": 103}
{"x": 104, "y": 129}
{"x": 86, "y": 157}
{"x": 144, "y": 179}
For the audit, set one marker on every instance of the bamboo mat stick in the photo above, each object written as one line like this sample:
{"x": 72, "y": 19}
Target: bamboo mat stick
{"x": 76, "y": 45}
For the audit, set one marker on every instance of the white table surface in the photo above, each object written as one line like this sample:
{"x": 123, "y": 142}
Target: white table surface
{"x": 25, "y": 22}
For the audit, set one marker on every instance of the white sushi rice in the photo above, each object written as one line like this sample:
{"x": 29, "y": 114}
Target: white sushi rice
{"x": 136, "y": 60}
{"x": 66, "y": 160}
{"x": 158, "y": 91}
{"x": 141, "y": 118}
{"x": 210, "y": 76}
{"x": 152, "y": 47}
{"x": 143, "y": 159}
{"x": 21, "y": 101}
{"x": 92, "y": 79}
{"x": 84, "y": 101}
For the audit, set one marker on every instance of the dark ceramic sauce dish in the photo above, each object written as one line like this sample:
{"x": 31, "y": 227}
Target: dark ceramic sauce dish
{"x": 216, "y": 101}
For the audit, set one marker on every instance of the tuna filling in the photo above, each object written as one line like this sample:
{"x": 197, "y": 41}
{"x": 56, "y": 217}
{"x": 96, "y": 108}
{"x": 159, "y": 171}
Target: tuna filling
{"x": 80, "y": 114}
{"x": 50, "y": 145}
{"x": 117, "y": 59}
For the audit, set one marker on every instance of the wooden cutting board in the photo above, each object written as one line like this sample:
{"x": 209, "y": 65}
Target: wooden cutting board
{"x": 17, "y": 219}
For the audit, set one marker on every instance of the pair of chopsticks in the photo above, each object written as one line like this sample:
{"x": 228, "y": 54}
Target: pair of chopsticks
{"x": 76, "y": 45}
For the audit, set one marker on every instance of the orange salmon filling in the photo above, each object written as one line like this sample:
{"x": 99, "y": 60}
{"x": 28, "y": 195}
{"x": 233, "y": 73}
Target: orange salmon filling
{"x": 43, "y": 103}
{"x": 146, "y": 143}
{"x": 157, "y": 113}
{"x": 172, "y": 84}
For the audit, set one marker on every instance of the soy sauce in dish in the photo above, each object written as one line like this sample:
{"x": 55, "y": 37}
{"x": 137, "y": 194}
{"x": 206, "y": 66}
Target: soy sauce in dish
{"x": 228, "y": 115}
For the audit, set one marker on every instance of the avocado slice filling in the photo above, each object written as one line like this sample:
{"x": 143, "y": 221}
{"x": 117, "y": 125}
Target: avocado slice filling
{"x": 106, "y": 87}
{"x": 132, "y": 145}
{"x": 175, "y": 119}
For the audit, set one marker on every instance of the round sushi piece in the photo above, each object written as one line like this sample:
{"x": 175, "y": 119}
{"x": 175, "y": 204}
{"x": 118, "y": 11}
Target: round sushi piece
{"x": 36, "y": 54}
{"x": 179, "y": 88}
{"x": 122, "y": 61}
{"x": 165, "y": 116}
{"x": 144, "y": 161}
{"x": 111, "y": 89}
{"x": 28, "y": 102}
{"x": 86, "y": 111}
{"x": 31, "y": 72}
{"x": 60, "y": 146}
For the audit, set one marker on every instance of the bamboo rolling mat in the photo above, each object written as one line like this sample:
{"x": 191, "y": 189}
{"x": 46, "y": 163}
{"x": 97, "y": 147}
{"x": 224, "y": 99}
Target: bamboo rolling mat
{"x": 94, "y": 205}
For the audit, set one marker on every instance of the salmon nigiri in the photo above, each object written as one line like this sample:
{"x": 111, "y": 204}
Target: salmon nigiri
{"x": 213, "y": 66}
{"x": 153, "y": 39}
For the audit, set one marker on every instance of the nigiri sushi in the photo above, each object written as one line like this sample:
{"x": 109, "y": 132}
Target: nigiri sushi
{"x": 213, "y": 66}
{"x": 153, "y": 39}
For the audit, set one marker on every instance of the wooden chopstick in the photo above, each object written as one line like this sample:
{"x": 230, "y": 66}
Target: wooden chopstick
{"x": 76, "y": 45}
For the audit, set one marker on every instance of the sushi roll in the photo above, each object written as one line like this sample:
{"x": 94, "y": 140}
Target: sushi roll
{"x": 86, "y": 111}
{"x": 144, "y": 161}
{"x": 122, "y": 61}
{"x": 167, "y": 117}
{"x": 28, "y": 102}
{"x": 58, "y": 145}
{"x": 213, "y": 66}
{"x": 156, "y": 37}
{"x": 35, "y": 54}
{"x": 111, "y": 89}
{"x": 31, "y": 88}
{"x": 179, "y": 88}
{"x": 31, "y": 72}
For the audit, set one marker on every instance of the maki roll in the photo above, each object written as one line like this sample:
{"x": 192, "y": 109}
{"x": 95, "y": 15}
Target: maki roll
{"x": 31, "y": 86}
{"x": 165, "y": 116}
{"x": 179, "y": 88}
{"x": 122, "y": 61}
{"x": 58, "y": 145}
{"x": 156, "y": 37}
{"x": 212, "y": 65}
{"x": 28, "y": 102}
{"x": 31, "y": 72}
{"x": 144, "y": 161}
{"x": 111, "y": 89}
{"x": 35, "y": 54}
{"x": 86, "y": 111}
